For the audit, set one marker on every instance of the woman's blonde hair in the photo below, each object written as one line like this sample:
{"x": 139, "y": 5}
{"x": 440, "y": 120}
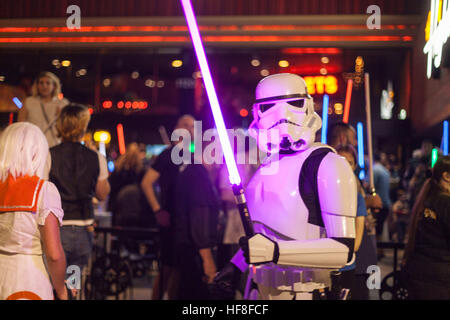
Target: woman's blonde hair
{"x": 72, "y": 122}
{"x": 23, "y": 151}
{"x": 56, "y": 84}
{"x": 130, "y": 160}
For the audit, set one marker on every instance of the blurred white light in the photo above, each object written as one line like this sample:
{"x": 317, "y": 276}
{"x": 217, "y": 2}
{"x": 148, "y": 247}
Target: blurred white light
{"x": 160, "y": 84}
{"x": 255, "y": 62}
{"x": 323, "y": 71}
{"x": 264, "y": 72}
{"x": 325, "y": 60}
{"x": 135, "y": 75}
{"x": 402, "y": 115}
{"x": 107, "y": 82}
{"x": 150, "y": 83}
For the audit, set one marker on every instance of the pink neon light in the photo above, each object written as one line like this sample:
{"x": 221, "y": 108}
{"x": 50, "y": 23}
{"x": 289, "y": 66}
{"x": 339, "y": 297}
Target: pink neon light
{"x": 348, "y": 99}
{"x": 211, "y": 92}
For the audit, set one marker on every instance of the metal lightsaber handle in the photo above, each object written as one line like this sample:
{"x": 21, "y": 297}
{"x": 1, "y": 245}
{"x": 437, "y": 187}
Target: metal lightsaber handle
{"x": 369, "y": 132}
{"x": 239, "y": 195}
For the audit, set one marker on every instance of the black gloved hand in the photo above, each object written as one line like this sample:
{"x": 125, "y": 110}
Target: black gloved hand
{"x": 225, "y": 283}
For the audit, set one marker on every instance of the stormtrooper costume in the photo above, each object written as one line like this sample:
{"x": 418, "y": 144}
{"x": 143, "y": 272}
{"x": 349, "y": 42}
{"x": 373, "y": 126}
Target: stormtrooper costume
{"x": 303, "y": 209}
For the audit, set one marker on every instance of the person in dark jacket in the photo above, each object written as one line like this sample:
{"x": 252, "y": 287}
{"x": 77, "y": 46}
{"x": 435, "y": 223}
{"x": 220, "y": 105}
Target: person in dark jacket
{"x": 195, "y": 232}
{"x": 427, "y": 256}
{"x": 80, "y": 174}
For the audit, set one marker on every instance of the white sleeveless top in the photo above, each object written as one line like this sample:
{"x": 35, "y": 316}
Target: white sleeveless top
{"x": 36, "y": 116}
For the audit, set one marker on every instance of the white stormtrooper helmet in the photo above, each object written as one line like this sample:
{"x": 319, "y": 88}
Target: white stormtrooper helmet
{"x": 284, "y": 117}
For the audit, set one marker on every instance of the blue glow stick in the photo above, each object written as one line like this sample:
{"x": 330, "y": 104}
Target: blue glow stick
{"x": 359, "y": 127}
{"x": 445, "y": 139}
{"x": 17, "y": 102}
{"x": 326, "y": 101}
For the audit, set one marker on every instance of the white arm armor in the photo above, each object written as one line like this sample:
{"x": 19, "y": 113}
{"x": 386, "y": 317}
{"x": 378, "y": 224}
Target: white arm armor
{"x": 338, "y": 200}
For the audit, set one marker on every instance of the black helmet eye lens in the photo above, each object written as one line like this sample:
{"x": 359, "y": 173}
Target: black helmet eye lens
{"x": 263, "y": 107}
{"x": 299, "y": 103}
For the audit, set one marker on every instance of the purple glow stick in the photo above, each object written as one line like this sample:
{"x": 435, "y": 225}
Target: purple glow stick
{"x": 234, "y": 177}
{"x": 210, "y": 90}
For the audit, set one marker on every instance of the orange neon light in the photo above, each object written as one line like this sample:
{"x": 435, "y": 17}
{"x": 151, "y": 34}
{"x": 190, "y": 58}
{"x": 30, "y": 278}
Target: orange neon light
{"x": 348, "y": 98}
{"x": 321, "y": 84}
{"x": 184, "y": 28}
{"x": 121, "y": 138}
{"x": 145, "y": 39}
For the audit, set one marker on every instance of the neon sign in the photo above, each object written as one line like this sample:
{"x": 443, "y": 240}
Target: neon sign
{"x": 321, "y": 84}
{"x": 437, "y": 32}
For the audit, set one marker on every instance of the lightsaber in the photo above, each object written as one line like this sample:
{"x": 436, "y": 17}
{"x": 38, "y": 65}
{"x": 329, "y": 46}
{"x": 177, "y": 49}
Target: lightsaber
{"x": 445, "y": 139}
{"x": 369, "y": 133}
{"x": 348, "y": 99}
{"x": 326, "y": 101}
{"x": 234, "y": 177}
{"x": 359, "y": 128}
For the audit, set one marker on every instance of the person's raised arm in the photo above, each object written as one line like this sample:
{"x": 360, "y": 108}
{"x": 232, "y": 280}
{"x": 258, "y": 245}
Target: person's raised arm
{"x": 54, "y": 255}
{"x": 102, "y": 187}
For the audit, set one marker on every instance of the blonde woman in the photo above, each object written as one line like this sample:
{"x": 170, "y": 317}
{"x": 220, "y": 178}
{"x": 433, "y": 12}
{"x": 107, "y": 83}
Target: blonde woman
{"x": 80, "y": 174}
{"x": 30, "y": 218}
{"x": 44, "y": 106}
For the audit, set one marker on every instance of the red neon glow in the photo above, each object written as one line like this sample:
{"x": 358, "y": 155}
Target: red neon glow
{"x": 128, "y": 105}
{"x": 311, "y": 51}
{"x": 121, "y": 138}
{"x": 312, "y": 69}
{"x": 11, "y": 118}
{"x": 223, "y": 39}
{"x": 120, "y": 104}
{"x": 243, "y": 113}
{"x": 202, "y": 28}
{"x": 348, "y": 98}
{"x": 91, "y": 111}
{"x": 107, "y": 104}
{"x": 135, "y": 105}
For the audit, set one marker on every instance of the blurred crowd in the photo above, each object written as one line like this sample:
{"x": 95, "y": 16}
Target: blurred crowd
{"x": 192, "y": 204}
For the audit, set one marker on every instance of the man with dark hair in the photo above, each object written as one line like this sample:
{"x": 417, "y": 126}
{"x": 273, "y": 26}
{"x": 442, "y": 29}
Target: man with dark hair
{"x": 164, "y": 172}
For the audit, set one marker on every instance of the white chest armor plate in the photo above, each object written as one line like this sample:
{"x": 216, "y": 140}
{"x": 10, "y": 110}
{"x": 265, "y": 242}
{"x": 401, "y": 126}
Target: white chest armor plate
{"x": 274, "y": 200}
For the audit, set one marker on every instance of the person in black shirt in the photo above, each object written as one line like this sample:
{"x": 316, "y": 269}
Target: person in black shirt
{"x": 164, "y": 172}
{"x": 427, "y": 256}
{"x": 80, "y": 174}
{"x": 195, "y": 232}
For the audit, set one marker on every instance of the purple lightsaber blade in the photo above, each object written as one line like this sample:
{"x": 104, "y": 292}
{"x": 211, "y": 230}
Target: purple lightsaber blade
{"x": 234, "y": 177}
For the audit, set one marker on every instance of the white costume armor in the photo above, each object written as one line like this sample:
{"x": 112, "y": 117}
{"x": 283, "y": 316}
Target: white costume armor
{"x": 298, "y": 243}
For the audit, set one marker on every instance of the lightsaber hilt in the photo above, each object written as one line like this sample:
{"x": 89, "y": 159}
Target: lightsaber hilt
{"x": 239, "y": 195}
